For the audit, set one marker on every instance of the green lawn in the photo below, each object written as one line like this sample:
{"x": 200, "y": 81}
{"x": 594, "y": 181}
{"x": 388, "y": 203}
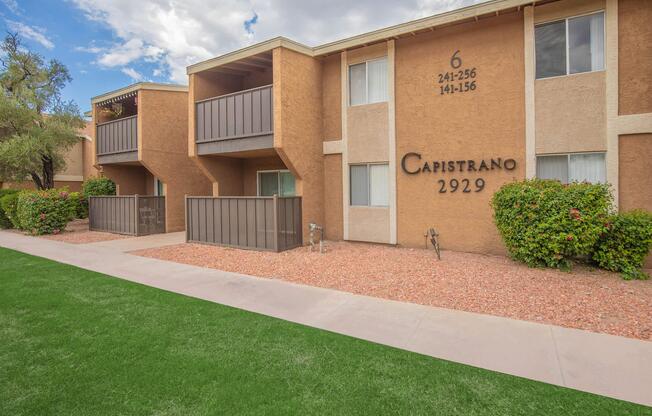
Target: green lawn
{"x": 75, "y": 342}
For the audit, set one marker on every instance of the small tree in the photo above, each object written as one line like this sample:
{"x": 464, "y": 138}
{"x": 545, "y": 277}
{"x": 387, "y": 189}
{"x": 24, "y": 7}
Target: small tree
{"x": 36, "y": 127}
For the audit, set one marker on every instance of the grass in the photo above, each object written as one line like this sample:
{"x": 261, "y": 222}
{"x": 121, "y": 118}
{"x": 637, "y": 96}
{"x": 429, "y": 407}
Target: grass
{"x": 75, "y": 342}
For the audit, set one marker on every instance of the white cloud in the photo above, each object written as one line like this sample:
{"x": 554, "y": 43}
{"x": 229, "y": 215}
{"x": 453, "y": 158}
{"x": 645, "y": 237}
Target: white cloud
{"x": 133, "y": 74}
{"x": 177, "y": 33}
{"x": 34, "y": 33}
{"x": 12, "y": 5}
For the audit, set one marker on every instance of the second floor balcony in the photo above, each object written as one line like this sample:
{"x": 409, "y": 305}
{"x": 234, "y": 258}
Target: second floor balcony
{"x": 239, "y": 122}
{"x": 117, "y": 140}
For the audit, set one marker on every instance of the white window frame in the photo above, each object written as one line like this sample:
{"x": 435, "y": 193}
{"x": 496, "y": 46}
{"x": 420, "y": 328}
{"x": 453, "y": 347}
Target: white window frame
{"x": 366, "y": 81}
{"x": 368, "y": 165}
{"x": 156, "y": 182}
{"x": 565, "y": 20}
{"x": 278, "y": 179}
{"x": 568, "y": 156}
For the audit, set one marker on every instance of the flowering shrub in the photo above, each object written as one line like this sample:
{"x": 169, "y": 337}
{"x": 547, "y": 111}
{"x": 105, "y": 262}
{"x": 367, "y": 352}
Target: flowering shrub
{"x": 546, "y": 223}
{"x": 625, "y": 244}
{"x": 8, "y": 207}
{"x": 5, "y": 222}
{"x": 79, "y": 204}
{"x": 44, "y": 212}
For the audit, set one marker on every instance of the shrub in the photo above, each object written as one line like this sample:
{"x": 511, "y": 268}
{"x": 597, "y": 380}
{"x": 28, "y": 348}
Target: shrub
{"x": 545, "y": 223}
{"x": 44, "y": 212}
{"x": 98, "y": 186}
{"x": 5, "y": 222}
{"x": 625, "y": 244}
{"x": 79, "y": 204}
{"x": 8, "y": 205}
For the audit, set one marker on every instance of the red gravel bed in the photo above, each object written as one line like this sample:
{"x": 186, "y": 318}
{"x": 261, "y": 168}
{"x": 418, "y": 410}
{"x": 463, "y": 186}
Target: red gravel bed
{"x": 586, "y": 298}
{"x": 77, "y": 232}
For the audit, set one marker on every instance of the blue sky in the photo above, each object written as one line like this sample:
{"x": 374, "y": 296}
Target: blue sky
{"x": 69, "y": 30}
{"x": 107, "y": 44}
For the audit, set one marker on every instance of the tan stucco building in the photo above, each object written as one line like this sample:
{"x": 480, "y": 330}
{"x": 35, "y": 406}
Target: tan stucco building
{"x": 389, "y": 133}
{"x": 79, "y": 165}
{"x": 140, "y": 135}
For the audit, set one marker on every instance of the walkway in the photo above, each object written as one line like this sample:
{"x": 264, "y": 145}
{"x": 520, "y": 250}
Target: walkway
{"x": 603, "y": 364}
{"x": 141, "y": 243}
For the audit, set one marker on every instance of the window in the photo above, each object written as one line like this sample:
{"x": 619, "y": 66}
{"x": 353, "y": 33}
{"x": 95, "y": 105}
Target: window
{"x": 158, "y": 187}
{"x": 570, "y": 46}
{"x": 275, "y": 182}
{"x": 574, "y": 167}
{"x": 368, "y": 82}
{"x": 370, "y": 184}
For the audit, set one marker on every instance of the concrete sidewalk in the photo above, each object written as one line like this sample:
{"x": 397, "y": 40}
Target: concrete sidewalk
{"x": 603, "y": 364}
{"x": 141, "y": 243}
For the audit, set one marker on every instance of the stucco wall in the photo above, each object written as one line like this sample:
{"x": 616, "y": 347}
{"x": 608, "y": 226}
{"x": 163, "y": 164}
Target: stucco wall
{"x": 570, "y": 113}
{"x": 164, "y": 152}
{"x": 74, "y": 160}
{"x": 481, "y": 124}
{"x": 368, "y": 132}
{"x": 635, "y": 160}
{"x": 129, "y": 179}
{"x": 333, "y": 227}
{"x": 332, "y": 98}
{"x": 635, "y": 56}
{"x": 298, "y": 127}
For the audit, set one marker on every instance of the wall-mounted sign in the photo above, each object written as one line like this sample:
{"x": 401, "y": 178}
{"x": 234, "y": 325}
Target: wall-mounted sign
{"x": 412, "y": 164}
{"x": 458, "y": 79}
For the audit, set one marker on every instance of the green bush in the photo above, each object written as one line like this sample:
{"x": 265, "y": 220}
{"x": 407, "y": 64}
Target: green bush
{"x": 545, "y": 223}
{"x": 45, "y": 212}
{"x": 5, "y": 222}
{"x": 98, "y": 186}
{"x": 8, "y": 205}
{"x": 79, "y": 204}
{"x": 625, "y": 244}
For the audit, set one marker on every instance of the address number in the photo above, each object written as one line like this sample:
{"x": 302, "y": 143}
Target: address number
{"x": 464, "y": 186}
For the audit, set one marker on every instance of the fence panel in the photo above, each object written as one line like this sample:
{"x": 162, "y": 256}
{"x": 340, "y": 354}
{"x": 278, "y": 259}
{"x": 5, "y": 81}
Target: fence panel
{"x": 260, "y": 223}
{"x": 128, "y": 214}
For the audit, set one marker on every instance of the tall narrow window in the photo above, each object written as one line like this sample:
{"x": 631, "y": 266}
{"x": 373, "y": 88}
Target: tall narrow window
{"x": 570, "y": 46}
{"x": 369, "y": 184}
{"x": 586, "y": 43}
{"x": 368, "y": 82}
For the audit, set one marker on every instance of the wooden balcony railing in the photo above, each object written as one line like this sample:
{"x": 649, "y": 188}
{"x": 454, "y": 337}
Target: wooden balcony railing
{"x": 242, "y": 114}
{"x": 117, "y": 136}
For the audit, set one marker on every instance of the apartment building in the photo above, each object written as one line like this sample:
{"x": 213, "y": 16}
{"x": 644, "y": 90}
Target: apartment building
{"x": 386, "y": 134}
{"x": 141, "y": 144}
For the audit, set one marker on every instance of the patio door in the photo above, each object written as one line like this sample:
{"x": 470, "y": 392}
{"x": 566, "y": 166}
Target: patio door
{"x": 276, "y": 182}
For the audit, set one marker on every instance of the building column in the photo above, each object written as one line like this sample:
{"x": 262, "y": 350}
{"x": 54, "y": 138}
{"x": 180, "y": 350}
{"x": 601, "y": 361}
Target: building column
{"x": 530, "y": 131}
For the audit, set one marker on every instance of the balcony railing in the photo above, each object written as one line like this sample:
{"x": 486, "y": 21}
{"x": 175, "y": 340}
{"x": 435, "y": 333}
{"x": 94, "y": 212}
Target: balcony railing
{"x": 255, "y": 222}
{"x": 239, "y": 115}
{"x": 117, "y": 136}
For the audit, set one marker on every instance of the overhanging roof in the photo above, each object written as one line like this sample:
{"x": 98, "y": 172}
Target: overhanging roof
{"x": 129, "y": 89}
{"x": 491, "y": 7}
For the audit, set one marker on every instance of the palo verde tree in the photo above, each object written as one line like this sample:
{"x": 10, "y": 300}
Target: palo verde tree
{"x": 36, "y": 126}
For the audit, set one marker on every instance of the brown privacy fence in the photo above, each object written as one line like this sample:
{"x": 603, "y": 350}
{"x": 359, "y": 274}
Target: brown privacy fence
{"x": 260, "y": 223}
{"x": 130, "y": 214}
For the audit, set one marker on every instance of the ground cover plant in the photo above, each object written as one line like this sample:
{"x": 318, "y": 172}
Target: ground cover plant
{"x": 79, "y": 342}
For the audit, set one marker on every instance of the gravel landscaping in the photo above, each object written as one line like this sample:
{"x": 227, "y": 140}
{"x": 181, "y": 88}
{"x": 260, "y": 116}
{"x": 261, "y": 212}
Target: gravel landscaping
{"x": 586, "y": 298}
{"x": 77, "y": 232}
